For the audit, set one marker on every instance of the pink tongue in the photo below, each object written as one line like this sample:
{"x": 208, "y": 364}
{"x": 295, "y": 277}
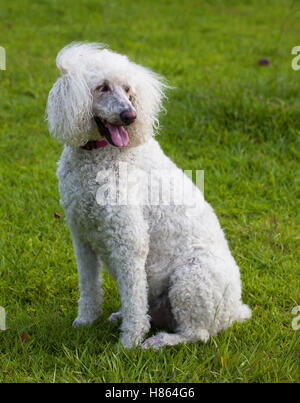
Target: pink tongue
{"x": 118, "y": 135}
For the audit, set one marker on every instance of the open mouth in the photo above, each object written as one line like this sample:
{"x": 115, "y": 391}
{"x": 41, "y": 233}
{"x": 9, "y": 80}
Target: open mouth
{"x": 116, "y": 135}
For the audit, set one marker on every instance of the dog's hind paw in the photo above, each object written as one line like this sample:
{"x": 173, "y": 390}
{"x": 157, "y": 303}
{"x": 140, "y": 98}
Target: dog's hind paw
{"x": 163, "y": 339}
{"x": 154, "y": 342}
{"x": 115, "y": 317}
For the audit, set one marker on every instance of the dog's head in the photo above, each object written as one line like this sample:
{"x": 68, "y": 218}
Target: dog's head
{"x": 102, "y": 94}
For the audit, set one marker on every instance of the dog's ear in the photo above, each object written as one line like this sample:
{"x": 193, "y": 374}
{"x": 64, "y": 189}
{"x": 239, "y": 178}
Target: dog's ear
{"x": 148, "y": 96}
{"x": 69, "y": 109}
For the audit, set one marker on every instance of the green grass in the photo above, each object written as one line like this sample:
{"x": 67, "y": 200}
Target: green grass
{"x": 236, "y": 120}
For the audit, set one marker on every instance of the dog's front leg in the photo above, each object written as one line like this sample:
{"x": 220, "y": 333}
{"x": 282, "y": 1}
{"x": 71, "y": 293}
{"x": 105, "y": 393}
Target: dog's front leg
{"x": 128, "y": 250}
{"x": 88, "y": 266}
{"x": 132, "y": 285}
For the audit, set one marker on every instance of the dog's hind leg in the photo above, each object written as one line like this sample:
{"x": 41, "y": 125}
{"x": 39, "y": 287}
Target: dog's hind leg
{"x": 205, "y": 298}
{"x": 88, "y": 266}
{"x": 192, "y": 306}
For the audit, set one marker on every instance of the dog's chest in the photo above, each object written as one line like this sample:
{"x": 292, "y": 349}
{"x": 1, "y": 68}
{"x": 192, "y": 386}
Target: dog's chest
{"x": 78, "y": 188}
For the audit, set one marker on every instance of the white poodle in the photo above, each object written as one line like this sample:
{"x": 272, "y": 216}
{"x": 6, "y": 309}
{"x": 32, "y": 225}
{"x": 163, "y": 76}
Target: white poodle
{"x": 128, "y": 205}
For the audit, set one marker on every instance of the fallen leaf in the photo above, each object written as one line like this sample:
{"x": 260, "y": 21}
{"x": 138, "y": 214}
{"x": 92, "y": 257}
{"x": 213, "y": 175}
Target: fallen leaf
{"x": 264, "y": 61}
{"x": 24, "y": 337}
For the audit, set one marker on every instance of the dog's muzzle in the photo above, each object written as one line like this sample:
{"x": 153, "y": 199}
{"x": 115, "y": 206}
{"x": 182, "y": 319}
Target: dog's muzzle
{"x": 116, "y": 135}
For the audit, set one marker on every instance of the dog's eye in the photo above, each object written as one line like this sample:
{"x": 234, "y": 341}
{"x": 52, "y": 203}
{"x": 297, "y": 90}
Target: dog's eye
{"x": 126, "y": 88}
{"x": 103, "y": 88}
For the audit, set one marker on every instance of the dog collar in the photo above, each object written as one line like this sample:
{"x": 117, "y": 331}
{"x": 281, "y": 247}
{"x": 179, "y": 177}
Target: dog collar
{"x": 91, "y": 145}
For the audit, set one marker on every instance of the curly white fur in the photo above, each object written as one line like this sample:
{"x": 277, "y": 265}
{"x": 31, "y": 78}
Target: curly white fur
{"x": 171, "y": 267}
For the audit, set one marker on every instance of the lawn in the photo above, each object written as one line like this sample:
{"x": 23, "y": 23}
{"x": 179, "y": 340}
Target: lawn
{"x": 229, "y": 116}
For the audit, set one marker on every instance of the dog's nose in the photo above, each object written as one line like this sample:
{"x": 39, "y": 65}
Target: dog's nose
{"x": 128, "y": 116}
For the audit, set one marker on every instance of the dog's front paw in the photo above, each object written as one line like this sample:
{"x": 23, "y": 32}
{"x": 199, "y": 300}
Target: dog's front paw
{"x": 130, "y": 340}
{"x": 115, "y": 317}
{"x": 80, "y": 322}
